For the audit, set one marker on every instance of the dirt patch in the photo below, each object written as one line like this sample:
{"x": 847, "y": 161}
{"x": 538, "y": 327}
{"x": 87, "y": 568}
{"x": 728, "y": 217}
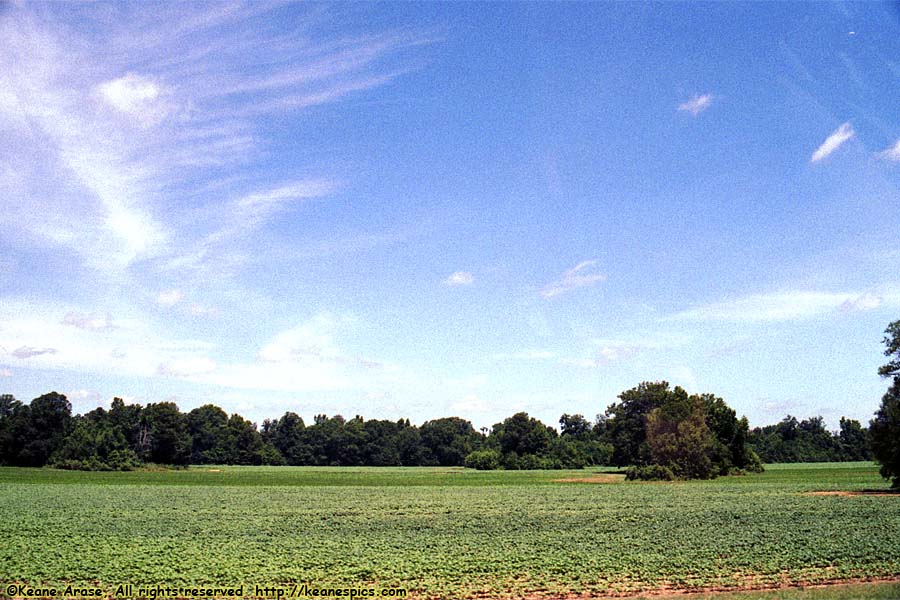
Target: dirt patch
{"x": 215, "y": 470}
{"x": 846, "y": 493}
{"x": 663, "y": 593}
{"x": 598, "y": 478}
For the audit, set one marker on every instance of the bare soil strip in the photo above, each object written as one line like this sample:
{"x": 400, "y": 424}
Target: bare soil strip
{"x": 847, "y": 494}
{"x": 599, "y": 478}
{"x": 685, "y": 594}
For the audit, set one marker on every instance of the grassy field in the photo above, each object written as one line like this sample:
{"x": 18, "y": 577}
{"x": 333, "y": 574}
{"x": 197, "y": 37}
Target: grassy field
{"x": 450, "y": 532}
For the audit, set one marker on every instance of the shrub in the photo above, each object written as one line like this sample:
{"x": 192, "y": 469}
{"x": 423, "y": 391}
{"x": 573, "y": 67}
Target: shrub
{"x": 649, "y": 473}
{"x": 483, "y": 460}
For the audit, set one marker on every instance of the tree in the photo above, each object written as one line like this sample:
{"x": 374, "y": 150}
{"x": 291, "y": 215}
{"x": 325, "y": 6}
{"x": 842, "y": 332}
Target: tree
{"x": 287, "y": 436}
{"x": 244, "y": 443}
{"x": 49, "y": 422}
{"x": 575, "y": 426}
{"x": 524, "y": 442}
{"x": 625, "y": 423}
{"x": 854, "y": 440}
{"x": 892, "y": 341}
{"x": 209, "y": 442}
{"x": 13, "y": 419}
{"x": 166, "y": 434}
{"x": 448, "y": 441}
{"x": 380, "y": 448}
{"x": 884, "y": 429}
{"x": 680, "y": 439}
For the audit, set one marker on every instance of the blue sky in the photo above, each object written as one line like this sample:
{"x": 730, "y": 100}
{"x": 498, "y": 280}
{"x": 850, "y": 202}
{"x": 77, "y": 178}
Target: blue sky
{"x": 424, "y": 210}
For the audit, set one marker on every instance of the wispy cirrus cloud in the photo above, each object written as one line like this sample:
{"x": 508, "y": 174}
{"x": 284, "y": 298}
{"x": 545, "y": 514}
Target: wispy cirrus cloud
{"x": 867, "y": 301}
{"x": 114, "y": 124}
{"x": 88, "y": 322}
{"x": 243, "y": 216}
{"x": 25, "y": 352}
{"x": 785, "y": 306}
{"x": 187, "y": 366}
{"x": 892, "y": 154}
{"x": 304, "y": 358}
{"x": 697, "y": 104}
{"x": 834, "y": 141}
{"x": 528, "y": 354}
{"x": 68, "y": 338}
{"x": 576, "y": 277}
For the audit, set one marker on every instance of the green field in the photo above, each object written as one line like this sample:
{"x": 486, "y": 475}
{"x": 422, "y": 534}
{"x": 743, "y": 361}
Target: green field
{"x": 449, "y": 532}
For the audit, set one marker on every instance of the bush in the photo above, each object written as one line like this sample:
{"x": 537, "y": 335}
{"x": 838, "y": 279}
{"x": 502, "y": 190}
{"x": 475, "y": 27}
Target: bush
{"x": 754, "y": 464}
{"x": 649, "y": 473}
{"x": 483, "y": 460}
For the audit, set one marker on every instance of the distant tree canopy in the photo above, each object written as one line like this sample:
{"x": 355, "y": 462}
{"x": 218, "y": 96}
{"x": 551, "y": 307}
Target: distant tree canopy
{"x": 677, "y": 434}
{"x": 809, "y": 441}
{"x": 885, "y": 427}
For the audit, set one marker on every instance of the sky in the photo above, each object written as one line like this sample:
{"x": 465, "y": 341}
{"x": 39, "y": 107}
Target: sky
{"x": 421, "y": 210}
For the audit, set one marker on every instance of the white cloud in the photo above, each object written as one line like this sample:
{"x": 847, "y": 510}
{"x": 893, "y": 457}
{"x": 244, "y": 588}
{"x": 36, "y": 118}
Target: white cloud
{"x": 199, "y": 310}
{"x": 312, "y": 341}
{"x": 685, "y": 377}
{"x": 613, "y": 353}
{"x": 892, "y": 154}
{"x": 528, "y": 354}
{"x": 780, "y": 407}
{"x": 136, "y": 96}
{"x": 586, "y": 363}
{"x": 572, "y": 279}
{"x": 697, "y": 104}
{"x": 472, "y": 382}
{"x": 606, "y": 354}
{"x": 4, "y": 372}
{"x": 43, "y": 340}
{"x": 784, "y": 306}
{"x": 170, "y": 297}
{"x": 308, "y": 358}
{"x": 84, "y": 401}
{"x": 245, "y": 215}
{"x": 867, "y": 301}
{"x": 25, "y": 352}
{"x": 833, "y": 142}
{"x": 459, "y": 278}
{"x": 110, "y": 151}
{"x": 471, "y": 404}
{"x": 188, "y": 366}
{"x": 87, "y": 322}
{"x": 299, "y": 190}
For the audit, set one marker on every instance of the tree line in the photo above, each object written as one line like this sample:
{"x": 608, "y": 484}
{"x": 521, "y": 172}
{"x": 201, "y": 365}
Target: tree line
{"x": 656, "y": 431}
{"x": 693, "y": 436}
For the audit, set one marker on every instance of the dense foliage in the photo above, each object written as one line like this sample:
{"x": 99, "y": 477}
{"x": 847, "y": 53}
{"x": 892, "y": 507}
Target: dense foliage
{"x": 692, "y": 436}
{"x": 809, "y": 441}
{"x": 445, "y": 532}
{"x": 885, "y": 427}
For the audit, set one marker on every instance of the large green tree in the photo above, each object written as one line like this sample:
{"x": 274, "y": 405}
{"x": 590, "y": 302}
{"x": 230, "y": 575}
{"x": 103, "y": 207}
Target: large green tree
{"x": 626, "y": 426}
{"x": 680, "y": 439}
{"x": 49, "y": 422}
{"x": 165, "y": 435}
{"x": 884, "y": 430}
{"x": 696, "y": 436}
{"x": 448, "y": 441}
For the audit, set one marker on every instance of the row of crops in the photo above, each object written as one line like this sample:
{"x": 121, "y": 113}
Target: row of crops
{"x": 464, "y": 535}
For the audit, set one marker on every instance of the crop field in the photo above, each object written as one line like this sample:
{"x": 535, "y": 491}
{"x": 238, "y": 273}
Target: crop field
{"x": 449, "y": 533}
